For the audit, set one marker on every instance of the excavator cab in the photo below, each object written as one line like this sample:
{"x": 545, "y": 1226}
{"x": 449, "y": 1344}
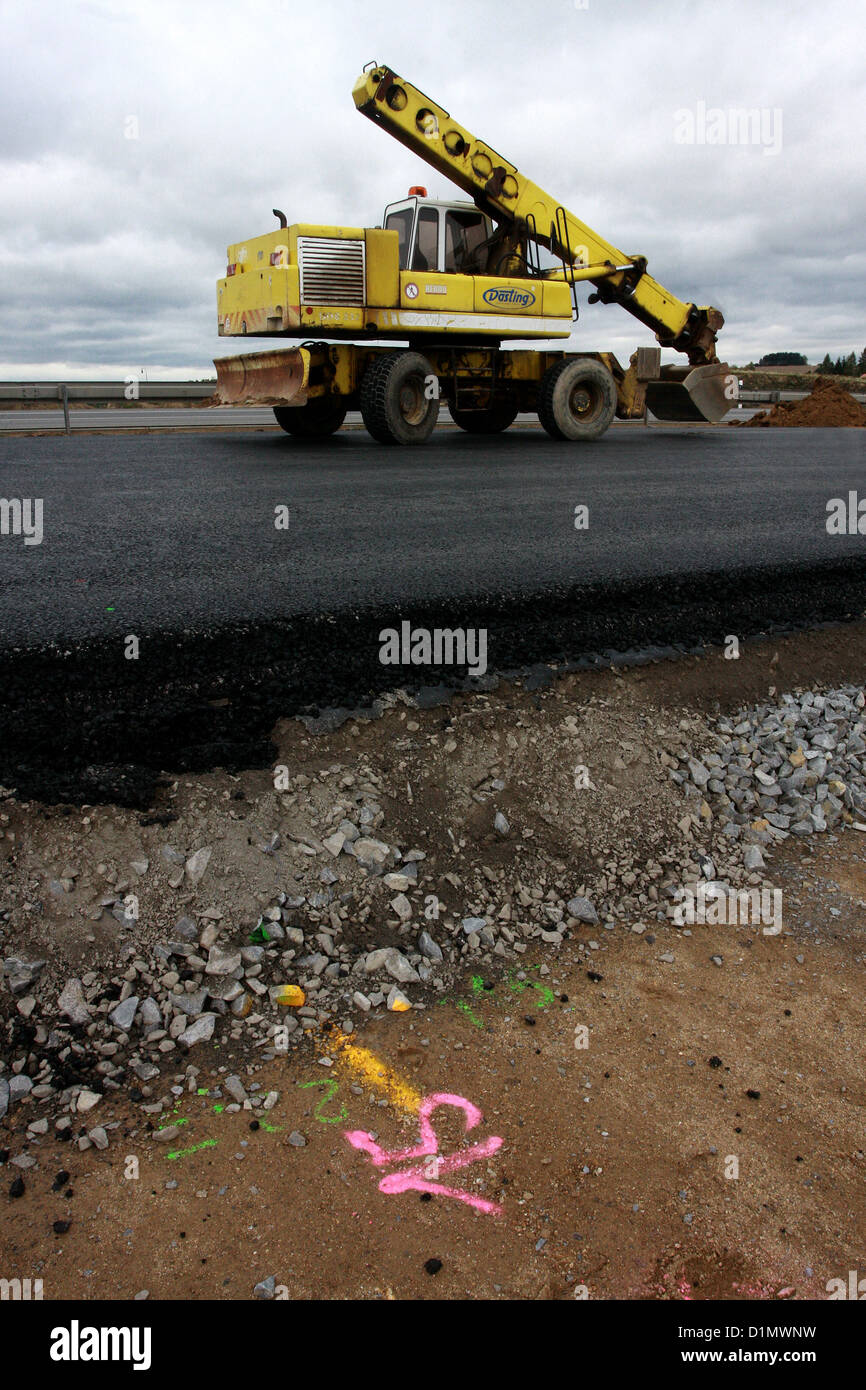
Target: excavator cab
{"x": 451, "y": 238}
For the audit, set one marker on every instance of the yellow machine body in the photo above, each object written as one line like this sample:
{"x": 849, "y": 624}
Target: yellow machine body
{"x": 453, "y": 280}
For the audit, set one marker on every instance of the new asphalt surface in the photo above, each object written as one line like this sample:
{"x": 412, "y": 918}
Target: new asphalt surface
{"x": 693, "y": 534}
{"x": 153, "y": 532}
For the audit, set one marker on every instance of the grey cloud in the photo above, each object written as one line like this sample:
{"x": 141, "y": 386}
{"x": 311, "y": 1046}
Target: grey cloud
{"x": 110, "y": 247}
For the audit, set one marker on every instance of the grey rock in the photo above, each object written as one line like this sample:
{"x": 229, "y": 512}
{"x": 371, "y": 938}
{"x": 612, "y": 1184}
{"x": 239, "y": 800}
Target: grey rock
{"x": 225, "y": 988}
{"x": 399, "y": 968}
{"x": 72, "y": 1003}
{"x": 428, "y": 947}
{"x": 150, "y": 1015}
{"x": 297, "y": 1140}
{"x": 190, "y": 1004}
{"x": 473, "y": 924}
{"x": 402, "y": 907}
{"x": 266, "y": 1288}
{"x": 583, "y": 910}
{"x": 369, "y": 851}
{"x": 375, "y": 960}
{"x": 699, "y": 774}
{"x": 21, "y": 974}
{"x": 199, "y": 1031}
{"x": 197, "y": 863}
{"x": 19, "y": 1086}
{"x": 221, "y": 962}
{"x": 399, "y": 882}
{"x": 123, "y": 1016}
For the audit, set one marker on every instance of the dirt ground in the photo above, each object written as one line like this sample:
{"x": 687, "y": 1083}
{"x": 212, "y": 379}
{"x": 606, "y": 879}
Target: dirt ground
{"x": 827, "y": 404}
{"x": 680, "y": 1128}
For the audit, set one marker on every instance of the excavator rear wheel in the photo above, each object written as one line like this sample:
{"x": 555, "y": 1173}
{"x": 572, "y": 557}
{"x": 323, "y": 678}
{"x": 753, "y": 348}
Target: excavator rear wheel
{"x": 397, "y": 403}
{"x": 321, "y": 416}
{"x": 576, "y": 399}
{"x": 493, "y": 420}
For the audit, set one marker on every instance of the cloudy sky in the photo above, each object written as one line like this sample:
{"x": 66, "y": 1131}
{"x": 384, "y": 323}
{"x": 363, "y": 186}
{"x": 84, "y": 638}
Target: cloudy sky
{"x": 110, "y": 246}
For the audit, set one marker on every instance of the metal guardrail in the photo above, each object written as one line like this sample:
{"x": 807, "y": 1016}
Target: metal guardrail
{"x": 17, "y": 391}
{"x": 106, "y": 390}
{"x": 773, "y": 397}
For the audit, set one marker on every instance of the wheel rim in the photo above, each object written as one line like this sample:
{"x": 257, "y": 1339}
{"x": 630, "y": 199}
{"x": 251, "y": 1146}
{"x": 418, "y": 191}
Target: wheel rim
{"x": 413, "y": 403}
{"x": 585, "y": 401}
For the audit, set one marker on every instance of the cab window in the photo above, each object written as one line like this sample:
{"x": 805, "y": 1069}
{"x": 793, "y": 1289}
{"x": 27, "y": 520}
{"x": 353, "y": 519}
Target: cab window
{"x": 401, "y": 223}
{"x": 465, "y": 233}
{"x": 427, "y": 240}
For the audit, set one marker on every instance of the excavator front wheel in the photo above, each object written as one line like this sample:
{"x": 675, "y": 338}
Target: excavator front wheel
{"x": 400, "y": 398}
{"x": 321, "y": 416}
{"x": 576, "y": 399}
{"x": 496, "y": 418}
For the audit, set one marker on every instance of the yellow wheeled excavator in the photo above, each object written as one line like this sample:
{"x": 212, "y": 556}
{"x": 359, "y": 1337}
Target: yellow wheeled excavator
{"x": 398, "y": 318}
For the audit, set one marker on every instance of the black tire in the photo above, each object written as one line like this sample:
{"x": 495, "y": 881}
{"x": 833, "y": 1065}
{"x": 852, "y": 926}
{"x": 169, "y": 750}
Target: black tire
{"x": 493, "y": 420}
{"x": 394, "y": 402}
{"x": 321, "y": 416}
{"x": 576, "y": 399}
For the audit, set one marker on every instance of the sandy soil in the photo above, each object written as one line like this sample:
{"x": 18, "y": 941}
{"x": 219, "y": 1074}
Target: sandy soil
{"x": 614, "y": 1177}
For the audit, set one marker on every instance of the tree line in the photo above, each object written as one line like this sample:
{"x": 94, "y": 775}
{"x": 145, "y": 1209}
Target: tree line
{"x": 852, "y": 365}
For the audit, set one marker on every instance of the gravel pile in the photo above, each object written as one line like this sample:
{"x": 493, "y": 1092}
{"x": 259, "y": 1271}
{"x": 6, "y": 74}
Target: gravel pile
{"x": 305, "y": 965}
{"x": 794, "y": 768}
{"x": 308, "y": 907}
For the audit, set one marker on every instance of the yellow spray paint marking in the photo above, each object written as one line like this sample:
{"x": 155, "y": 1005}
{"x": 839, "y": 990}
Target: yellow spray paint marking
{"x": 292, "y": 996}
{"x": 377, "y": 1074}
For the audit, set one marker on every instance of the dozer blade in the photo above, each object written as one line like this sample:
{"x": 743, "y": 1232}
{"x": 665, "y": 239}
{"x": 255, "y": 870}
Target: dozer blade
{"x": 263, "y": 378}
{"x": 692, "y": 393}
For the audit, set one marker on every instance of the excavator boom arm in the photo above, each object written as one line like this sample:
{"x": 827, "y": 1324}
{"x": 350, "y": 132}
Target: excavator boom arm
{"x": 500, "y": 189}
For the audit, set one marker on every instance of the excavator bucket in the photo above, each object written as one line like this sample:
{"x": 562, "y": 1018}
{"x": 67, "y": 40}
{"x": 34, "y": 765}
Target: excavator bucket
{"x": 263, "y": 378}
{"x": 692, "y": 393}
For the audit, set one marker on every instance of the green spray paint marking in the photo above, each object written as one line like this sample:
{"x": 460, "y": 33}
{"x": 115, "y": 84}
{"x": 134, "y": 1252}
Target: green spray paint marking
{"x": 182, "y": 1153}
{"x": 331, "y": 1086}
{"x": 271, "y": 1129}
{"x": 465, "y": 1009}
{"x": 518, "y": 986}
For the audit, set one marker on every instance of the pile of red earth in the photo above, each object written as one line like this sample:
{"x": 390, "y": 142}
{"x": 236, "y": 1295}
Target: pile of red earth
{"x": 828, "y": 404}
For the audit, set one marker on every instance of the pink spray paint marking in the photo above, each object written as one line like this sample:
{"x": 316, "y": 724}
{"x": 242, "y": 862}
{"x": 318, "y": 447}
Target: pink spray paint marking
{"x": 418, "y": 1179}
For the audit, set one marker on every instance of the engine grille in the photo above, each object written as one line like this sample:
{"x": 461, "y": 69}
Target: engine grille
{"x": 332, "y": 270}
